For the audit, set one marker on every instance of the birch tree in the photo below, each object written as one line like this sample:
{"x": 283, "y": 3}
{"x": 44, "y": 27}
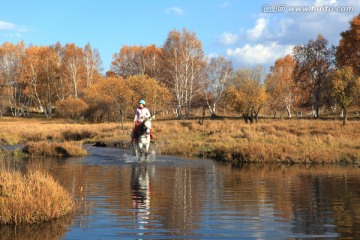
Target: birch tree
{"x": 73, "y": 67}
{"x": 12, "y": 86}
{"x": 218, "y": 72}
{"x": 93, "y": 64}
{"x": 183, "y": 63}
{"x": 137, "y": 60}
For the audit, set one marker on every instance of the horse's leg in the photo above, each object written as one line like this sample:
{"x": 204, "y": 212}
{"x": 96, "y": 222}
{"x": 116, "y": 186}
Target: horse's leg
{"x": 147, "y": 146}
{"x": 140, "y": 149}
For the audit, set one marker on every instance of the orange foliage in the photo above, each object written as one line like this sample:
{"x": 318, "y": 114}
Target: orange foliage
{"x": 349, "y": 47}
{"x": 72, "y": 108}
{"x": 280, "y": 85}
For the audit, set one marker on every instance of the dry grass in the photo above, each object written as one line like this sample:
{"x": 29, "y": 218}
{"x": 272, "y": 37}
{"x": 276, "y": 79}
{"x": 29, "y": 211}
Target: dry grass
{"x": 31, "y": 198}
{"x": 295, "y": 141}
{"x": 292, "y": 141}
{"x": 54, "y": 149}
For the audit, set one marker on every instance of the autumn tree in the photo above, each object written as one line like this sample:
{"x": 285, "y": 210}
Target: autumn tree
{"x": 182, "y": 66}
{"x": 156, "y": 94}
{"x": 109, "y": 99}
{"x": 217, "y": 74}
{"x": 12, "y": 86}
{"x": 280, "y": 86}
{"x": 347, "y": 53}
{"x": 137, "y": 60}
{"x": 73, "y": 68}
{"x": 38, "y": 66}
{"x": 345, "y": 89}
{"x": 247, "y": 94}
{"x": 313, "y": 64}
{"x": 93, "y": 64}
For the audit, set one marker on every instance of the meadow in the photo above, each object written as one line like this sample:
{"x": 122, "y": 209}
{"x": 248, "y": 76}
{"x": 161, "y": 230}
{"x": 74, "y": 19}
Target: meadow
{"x": 230, "y": 140}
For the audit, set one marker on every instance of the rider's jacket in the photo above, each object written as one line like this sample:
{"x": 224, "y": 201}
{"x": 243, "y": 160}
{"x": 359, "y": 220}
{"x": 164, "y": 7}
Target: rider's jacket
{"x": 141, "y": 114}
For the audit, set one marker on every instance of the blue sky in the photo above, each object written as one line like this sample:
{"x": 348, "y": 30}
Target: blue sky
{"x": 241, "y": 30}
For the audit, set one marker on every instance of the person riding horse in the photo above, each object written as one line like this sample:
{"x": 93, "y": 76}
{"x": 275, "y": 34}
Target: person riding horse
{"x": 141, "y": 114}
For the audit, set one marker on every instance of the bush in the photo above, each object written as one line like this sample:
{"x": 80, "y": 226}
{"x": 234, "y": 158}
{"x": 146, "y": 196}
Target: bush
{"x": 51, "y": 149}
{"x": 72, "y": 108}
{"x": 32, "y": 198}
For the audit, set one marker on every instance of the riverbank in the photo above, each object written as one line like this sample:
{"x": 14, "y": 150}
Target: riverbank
{"x": 282, "y": 141}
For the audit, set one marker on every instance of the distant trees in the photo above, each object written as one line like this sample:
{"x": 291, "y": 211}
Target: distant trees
{"x": 37, "y": 77}
{"x": 177, "y": 76}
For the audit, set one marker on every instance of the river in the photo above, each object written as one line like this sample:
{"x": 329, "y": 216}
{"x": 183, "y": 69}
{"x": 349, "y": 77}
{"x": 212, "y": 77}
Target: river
{"x": 175, "y": 198}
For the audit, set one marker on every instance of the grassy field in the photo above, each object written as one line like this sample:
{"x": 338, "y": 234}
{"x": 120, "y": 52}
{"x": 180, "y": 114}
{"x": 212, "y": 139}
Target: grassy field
{"x": 285, "y": 141}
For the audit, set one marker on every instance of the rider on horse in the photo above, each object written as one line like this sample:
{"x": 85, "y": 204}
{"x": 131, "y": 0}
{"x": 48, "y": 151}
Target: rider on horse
{"x": 140, "y": 115}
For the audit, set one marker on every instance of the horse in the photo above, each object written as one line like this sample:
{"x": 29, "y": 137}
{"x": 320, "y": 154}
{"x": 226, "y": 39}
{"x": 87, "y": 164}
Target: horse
{"x": 142, "y": 144}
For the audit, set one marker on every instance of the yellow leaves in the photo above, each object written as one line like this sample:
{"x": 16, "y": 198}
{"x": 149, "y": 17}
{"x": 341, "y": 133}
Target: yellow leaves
{"x": 153, "y": 91}
{"x": 249, "y": 94}
{"x": 345, "y": 86}
{"x": 73, "y": 108}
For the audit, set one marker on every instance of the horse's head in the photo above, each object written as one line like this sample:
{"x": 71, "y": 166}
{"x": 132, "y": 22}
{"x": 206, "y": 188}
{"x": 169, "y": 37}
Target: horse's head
{"x": 145, "y": 127}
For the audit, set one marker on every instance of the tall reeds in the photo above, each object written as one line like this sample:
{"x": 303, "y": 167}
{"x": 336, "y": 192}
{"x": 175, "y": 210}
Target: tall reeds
{"x": 31, "y": 198}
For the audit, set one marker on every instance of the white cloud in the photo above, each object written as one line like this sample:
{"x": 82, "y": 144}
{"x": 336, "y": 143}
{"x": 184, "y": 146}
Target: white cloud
{"x": 264, "y": 54}
{"x": 11, "y": 30}
{"x": 174, "y": 10}
{"x": 228, "y": 38}
{"x": 7, "y": 26}
{"x": 258, "y": 30}
{"x": 224, "y": 5}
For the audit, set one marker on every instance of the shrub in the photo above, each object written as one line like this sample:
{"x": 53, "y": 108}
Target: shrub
{"x": 71, "y": 108}
{"x": 51, "y": 149}
{"x": 32, "y": 198}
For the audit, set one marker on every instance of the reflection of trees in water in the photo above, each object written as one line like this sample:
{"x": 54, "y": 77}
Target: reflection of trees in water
{"x": 310, "y": 200}
{"x": 323, "y": 203}
{"x": 50, "y": 230}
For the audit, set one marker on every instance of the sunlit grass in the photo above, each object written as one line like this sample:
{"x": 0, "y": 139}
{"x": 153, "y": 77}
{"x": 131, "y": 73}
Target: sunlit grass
{"x": 31, "y": 198}
{"x": 295, "y": 141}
{"x": 54, "y": 149}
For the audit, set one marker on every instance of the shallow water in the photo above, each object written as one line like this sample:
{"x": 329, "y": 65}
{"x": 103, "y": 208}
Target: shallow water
{"x": 173, "y": 198}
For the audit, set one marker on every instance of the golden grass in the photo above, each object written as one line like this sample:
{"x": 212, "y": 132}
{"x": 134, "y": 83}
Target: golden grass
{"x": 294, "y": 141}
{"x": 54, "y": 149}
{"x": 31, "y": 198}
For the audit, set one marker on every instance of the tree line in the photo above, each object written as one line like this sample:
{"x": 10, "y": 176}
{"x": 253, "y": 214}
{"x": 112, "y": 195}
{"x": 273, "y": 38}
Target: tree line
{"x": 178, "y": 77}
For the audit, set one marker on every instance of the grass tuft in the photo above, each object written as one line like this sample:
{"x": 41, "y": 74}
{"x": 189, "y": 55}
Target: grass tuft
{"x": 53, "y": 149}
{"x": 32, "y": 198}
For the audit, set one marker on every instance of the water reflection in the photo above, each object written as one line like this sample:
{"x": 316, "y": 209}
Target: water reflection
{"x": 44, "y": 231}
{"x": 179, "y": 198}
{"x": 140, "y": 191}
